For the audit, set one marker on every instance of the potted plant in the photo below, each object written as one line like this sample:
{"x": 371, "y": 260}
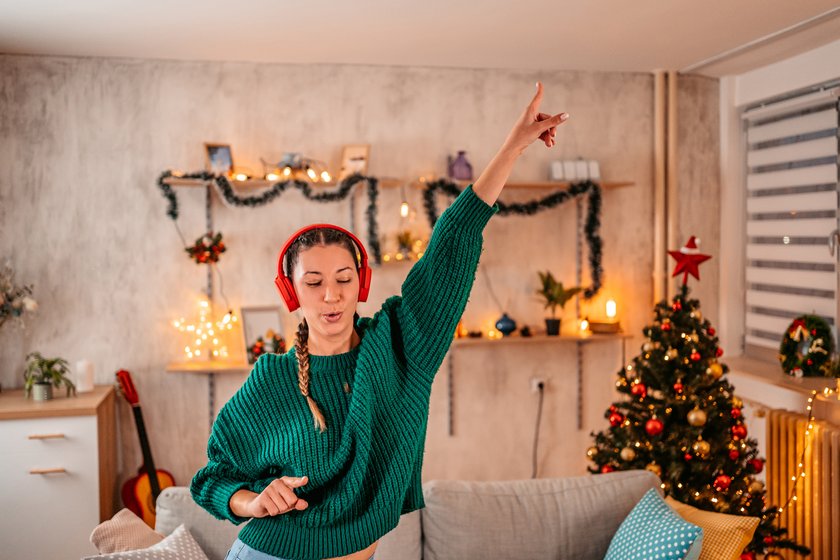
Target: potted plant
{"x": 555, "y": 295}
{"x": 42, "y": 374}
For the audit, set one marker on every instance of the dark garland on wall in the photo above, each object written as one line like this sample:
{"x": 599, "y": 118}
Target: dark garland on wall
{"x": 225, "y": 189}
{"x": 591, "y": 226}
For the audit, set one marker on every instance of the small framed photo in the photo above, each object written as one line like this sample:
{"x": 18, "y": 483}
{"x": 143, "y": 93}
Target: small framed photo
{"x": 354, "y": 159}
{"x": 262, "y": 331}
{"x": 219, "y": 158}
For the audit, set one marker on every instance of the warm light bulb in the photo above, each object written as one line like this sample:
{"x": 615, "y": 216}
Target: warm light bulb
{"x": 325, "y": 177}
{"x": 404, "y": 209}
{"x": 611, "y": 308}
{"x": 311, "y": 173}
{"x": 272, "y": 176}
{"x": 584, "y": 324}
{"x": 241, "y": 177}
{"x": 287, "y": 171}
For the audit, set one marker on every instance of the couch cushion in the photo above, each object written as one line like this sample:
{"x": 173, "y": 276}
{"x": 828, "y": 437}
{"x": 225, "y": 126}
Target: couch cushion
{"x": 724, "y": 535}
{"x": 654, "y": 530}
{"x": 179, "y": 545}
{"x": 176, "y": 506}
{"x": 559, "y": 518}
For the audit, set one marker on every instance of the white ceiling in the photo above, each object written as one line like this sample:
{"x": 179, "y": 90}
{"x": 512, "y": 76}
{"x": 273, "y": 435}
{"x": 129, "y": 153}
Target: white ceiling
{"x": 606, "y": 35}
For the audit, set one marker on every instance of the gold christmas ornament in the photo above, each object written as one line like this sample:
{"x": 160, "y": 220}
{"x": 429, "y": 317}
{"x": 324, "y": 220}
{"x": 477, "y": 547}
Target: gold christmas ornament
{"x": 701, "y": 448}
{"x": 715, "y": 370}
{"x": 756, "y": 487}
{"x": 628, "y": 454}
{"x": 592, "y": 452}
{"x": 647, "y": 347}
{"x": 672, "y": 353}
{"x": 737, "y": 403}
{"x": 696, "y": 417}
{"x": 655, "y": 469}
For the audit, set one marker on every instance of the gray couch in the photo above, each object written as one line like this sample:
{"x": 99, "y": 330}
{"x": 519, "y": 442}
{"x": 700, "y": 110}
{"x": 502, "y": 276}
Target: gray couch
{"x": 548, "y": 518}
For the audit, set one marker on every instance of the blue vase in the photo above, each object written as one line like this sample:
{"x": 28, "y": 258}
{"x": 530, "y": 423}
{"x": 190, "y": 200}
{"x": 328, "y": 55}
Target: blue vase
{"x": 505, "y": 324}
{"x": 460, "y": 168}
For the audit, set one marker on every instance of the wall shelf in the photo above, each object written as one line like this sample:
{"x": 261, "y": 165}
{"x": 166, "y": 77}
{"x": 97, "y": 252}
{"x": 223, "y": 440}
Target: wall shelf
{"x": 538, "y": 338}
{"x": 210, "y": 366}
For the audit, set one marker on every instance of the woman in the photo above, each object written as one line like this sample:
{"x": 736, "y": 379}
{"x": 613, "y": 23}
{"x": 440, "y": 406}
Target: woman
{"x": 333, "y": 489}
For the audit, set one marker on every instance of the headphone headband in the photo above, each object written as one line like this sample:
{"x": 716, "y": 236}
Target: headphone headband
{"x": 284, "y": 283}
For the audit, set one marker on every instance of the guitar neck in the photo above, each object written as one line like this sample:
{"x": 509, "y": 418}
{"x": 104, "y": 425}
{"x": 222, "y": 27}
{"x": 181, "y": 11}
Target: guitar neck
{"x": 148, "y": 462}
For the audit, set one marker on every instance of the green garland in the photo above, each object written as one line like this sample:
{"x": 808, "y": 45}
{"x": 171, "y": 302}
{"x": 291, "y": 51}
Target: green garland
{"x": 225, "y": 189}
{"x": 591, "y": 227}
{"x": 807, "y": 347}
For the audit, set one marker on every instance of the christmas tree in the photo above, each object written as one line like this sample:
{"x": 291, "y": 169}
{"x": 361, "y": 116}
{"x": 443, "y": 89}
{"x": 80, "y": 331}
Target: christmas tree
{"x": 683, "y": 422}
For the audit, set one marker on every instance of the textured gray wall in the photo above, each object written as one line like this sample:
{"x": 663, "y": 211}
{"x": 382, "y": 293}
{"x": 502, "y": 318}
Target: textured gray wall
{"x": 83, "y": 140}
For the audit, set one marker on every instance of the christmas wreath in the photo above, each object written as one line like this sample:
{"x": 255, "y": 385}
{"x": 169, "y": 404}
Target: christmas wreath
{"x": 207, "y": 248}
{"x": 272, "y": 344}
{"x": 807, "y": 347}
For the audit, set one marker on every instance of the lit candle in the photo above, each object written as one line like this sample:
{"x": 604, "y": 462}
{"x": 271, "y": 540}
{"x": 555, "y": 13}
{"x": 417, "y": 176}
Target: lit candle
{"x": 611, "y": 309}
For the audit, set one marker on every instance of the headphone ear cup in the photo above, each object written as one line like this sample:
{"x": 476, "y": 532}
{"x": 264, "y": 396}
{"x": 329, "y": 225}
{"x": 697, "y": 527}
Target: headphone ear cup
{"x": 364, "y": 282}
{"x": 287, "y": 292}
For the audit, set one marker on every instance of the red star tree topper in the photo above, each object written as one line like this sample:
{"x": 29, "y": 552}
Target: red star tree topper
{"x": 688, "y": 260}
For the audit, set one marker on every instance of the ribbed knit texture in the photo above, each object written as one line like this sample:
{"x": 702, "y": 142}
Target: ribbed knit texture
{"x": 365, "y": 469}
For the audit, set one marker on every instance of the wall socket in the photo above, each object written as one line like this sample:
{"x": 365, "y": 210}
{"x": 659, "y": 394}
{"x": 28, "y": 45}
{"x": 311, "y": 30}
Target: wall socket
{"x": 535, "y": 382}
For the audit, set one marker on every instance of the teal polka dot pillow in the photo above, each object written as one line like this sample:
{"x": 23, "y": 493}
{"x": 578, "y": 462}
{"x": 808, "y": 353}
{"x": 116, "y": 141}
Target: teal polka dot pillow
{"x": 654, "y": 531}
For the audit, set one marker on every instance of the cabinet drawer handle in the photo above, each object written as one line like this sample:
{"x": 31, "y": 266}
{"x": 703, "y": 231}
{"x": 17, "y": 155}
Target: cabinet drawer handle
{"x": 46, "y": 436}
{"x": 58, "y": 470}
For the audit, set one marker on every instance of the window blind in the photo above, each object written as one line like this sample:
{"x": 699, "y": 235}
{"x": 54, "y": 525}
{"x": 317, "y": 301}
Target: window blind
{"x": 792, "y": 204}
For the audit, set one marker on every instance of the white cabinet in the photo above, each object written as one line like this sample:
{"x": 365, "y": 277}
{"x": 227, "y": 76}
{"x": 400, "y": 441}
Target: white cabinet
{"x": 57, "y": 473}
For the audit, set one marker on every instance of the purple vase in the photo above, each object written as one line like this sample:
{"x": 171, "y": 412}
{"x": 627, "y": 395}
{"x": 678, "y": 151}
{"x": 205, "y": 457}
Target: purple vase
{"x": 460, "y": 168}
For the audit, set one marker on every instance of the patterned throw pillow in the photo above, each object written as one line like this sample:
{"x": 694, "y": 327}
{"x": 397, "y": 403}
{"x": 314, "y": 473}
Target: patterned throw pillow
{"x": 654, "y": 530}
{"x": 124, "y": 531}
{"x": 724, "y": 535}
{"x": 180, "y": 545}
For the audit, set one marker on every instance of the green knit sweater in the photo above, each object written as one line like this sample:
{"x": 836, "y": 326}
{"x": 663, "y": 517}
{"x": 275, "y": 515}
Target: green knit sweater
{"x": 365, "y": 469}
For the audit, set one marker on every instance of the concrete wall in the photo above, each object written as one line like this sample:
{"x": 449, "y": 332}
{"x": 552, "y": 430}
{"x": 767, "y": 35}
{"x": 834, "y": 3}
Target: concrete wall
{"x": 83, "y": 140}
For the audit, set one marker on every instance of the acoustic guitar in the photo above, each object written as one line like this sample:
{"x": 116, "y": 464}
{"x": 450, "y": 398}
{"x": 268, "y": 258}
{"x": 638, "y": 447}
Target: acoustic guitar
{"x": 139, "y": 493}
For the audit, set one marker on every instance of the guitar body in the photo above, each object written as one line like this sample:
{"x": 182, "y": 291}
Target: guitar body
{"x": 140, "y": 492}
{"x": 137, "y": 493}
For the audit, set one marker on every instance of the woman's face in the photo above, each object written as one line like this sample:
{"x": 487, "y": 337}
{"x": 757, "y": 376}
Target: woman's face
{"x": 326, "y": 283}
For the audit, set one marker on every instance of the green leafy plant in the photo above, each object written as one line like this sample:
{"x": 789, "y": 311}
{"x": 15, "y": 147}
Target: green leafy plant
{"x": 52, "y": 371}
{"x": 553, "y": 292}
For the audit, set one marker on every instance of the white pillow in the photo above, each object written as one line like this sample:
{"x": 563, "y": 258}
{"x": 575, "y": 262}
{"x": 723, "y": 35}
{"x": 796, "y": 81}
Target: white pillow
{"x": 179, "y": 545}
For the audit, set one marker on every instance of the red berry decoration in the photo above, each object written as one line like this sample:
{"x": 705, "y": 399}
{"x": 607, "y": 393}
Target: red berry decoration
{"x": 756, "y": 464}
{"x": 739, "y": 431}
{"x": 688, "y": 456}
{"x": 607, "y": 468}
{"x": 666, "y": 326}
{"x": 695, "y": 356}
{"x": 678, "y": 387}
{"x": 735, "y": 413}
{"x": 719, "y": 352}
{"x": 748, "y": 556}
{"x": 722, "y": 483}
{"x": 677, "y": 305}
{"x": 733, "y": 454}
{"x": 616, "y": 419}
{"x": 654, "y": 426}
{"x": 613, "y": 408}
{"x": 711, "y": 331}
{"x": 639, "y": 390}
{"x": 768, "y": 540}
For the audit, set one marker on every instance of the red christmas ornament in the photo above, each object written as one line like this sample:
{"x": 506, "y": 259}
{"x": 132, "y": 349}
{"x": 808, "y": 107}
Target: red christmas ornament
{"x": 711, "y": 331}
{"x": 654, "y": 426}
{"x": 748, "y": 556}
{"x": 756, "y": 464}
{"x": 678, "y": 387}
{"x": 733, "y": 454}
{"x": 677, "y": 306}
{"x": 768, "y": 540}
{"x": 666, "y": 326}
{"x": 695, "y": 356}
{"x": 616, "y": 419}
{"x": 607, "y": 468}
{"x": 688, "y": 260}
{"x": 739, "y": 431}
{"x": 735, "y": 413}
{"x": 613, "y": 408}
{"x": 688, "y": 456}
{"x": 638, "y": 390}
{"x": 722, "y": 483}
{"x": 813, "y": 332}
{"x": 719, "y": 352}
{"x": 810, "y": 362}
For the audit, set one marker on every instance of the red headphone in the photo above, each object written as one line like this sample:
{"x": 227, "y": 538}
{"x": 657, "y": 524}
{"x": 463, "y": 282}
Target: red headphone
{"x": 284, "y": 283}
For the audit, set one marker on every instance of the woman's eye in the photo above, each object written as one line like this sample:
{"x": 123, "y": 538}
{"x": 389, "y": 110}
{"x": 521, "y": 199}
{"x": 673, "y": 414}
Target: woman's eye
{"x": 313, "y": 285}
{"x": 344, "y": 281}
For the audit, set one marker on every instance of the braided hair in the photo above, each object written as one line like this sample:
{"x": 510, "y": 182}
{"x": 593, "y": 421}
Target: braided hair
{"x": 312, "y": 238}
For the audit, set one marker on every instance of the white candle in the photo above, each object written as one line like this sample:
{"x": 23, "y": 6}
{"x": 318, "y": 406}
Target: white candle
{"x": 611, "y": 309}
{"x": 84, "y": 376}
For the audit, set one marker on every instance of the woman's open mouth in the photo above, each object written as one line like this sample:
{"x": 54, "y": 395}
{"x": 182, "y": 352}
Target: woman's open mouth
{"x": 332, "y": 317}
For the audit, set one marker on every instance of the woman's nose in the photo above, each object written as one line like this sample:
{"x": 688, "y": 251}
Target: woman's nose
{"x": 332, "y": 294}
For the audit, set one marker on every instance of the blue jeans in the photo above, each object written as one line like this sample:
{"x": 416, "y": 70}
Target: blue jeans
{"x": 241, "y": 551}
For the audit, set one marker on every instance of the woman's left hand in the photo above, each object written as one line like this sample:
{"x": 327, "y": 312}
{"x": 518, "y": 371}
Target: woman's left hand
{"x": 533, "y": 125}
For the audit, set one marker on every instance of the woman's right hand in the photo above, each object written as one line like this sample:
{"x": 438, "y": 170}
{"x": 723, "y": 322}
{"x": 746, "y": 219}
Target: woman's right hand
{"x": 277, "y": 498}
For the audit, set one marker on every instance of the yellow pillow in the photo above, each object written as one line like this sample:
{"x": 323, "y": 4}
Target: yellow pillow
{"x": 724, "y": 535}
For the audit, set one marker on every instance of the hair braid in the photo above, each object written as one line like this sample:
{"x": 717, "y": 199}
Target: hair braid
{"x": 302, "y": 353}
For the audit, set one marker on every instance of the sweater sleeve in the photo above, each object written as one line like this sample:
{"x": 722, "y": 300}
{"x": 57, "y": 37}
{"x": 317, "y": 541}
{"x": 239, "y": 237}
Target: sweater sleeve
{"x": 437, "y": 288}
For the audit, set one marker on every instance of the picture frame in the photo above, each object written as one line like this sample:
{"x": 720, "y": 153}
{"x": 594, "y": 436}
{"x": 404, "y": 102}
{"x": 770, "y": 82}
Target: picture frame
{"x": 354, "y": 159}
{"x": 259, "y": 321}
{"x": 219, "y": 158}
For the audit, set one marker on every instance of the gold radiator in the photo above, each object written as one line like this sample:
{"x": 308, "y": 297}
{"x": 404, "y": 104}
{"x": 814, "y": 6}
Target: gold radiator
{"x": 813, "y": 519}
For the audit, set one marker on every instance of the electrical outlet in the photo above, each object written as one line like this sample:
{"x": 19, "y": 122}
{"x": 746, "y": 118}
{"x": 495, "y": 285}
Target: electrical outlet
{"x": 535, "y": 384}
